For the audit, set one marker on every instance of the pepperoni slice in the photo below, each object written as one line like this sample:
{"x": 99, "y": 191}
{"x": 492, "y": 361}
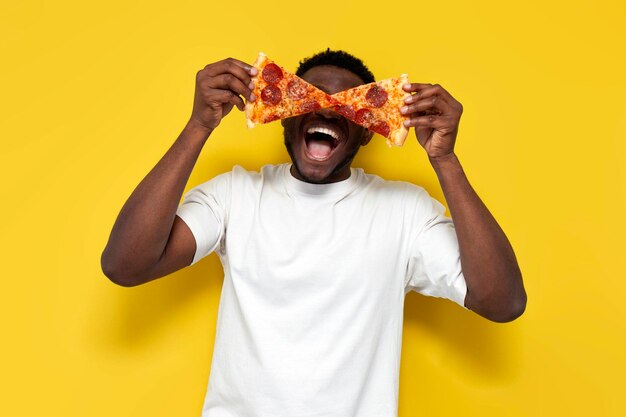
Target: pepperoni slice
{"x": 309, "y": 106}
{"x": 271, "y": 118}
{"x": 296, "y": 89}
{"x": 381, "y": 127}
{"x": 376, "y": 96}
{"x": 271, "y": 95}
{"x": 346, "y": 110}
{"x": 272, "y": 73}
{"x": 364, "y": 117}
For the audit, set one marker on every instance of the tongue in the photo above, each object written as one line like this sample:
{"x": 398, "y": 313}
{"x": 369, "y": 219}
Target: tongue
{"x": 319, "y": 148}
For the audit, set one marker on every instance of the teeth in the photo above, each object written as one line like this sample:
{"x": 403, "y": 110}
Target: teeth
{"x": 319, "y": 129}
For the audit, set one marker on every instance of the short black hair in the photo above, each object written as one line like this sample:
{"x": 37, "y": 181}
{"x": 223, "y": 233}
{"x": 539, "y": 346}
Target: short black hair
{"x": 341, "y": 59}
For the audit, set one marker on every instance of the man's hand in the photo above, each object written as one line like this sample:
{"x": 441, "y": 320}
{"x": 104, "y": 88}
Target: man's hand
{"x": 495, "y": 288}
{"x": 435, "y": 115}
{"x": 148, "y": 240}
{"x": 219, "y": 87}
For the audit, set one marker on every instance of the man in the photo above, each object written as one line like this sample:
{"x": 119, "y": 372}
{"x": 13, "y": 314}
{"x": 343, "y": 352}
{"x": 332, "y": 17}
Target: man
{"x": 317, "y": 256}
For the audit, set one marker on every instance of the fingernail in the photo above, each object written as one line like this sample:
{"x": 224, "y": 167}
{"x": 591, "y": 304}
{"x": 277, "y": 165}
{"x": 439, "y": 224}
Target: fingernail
{"x": 406, "y": 123}
{"x": 406, "y": 86}
{"x": 252, "y": 97}
{"x": 253, "y": 71}
{"x": 404, "y": 109}
{"x": 251, "y": 85}
{"x": 408, "y": 99}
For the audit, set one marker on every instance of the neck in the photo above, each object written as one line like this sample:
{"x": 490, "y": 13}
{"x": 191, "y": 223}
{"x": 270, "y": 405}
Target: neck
{"x": 335, "y": 176}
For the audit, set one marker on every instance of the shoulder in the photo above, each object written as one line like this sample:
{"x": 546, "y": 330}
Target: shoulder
{"x": 405, "y": 199}
{"x": 267, "y": 173}
{"x": 399, "y": 189}
{"x": 239, "y": 175}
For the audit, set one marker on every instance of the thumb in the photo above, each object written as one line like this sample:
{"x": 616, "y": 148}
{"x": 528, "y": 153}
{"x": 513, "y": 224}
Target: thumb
{"x": 423, "y": 134}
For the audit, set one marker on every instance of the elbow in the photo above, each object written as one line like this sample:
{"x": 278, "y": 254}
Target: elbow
{"x": 514, "y": 310}
{"x": 117, "y": 272}
{"x": 517, "y": 302}
{"x": 499, "y": 308}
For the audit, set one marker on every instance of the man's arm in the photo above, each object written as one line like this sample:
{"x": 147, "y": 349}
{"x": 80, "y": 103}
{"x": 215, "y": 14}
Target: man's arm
{"x": 494, "y": 281}
{"x": 148, "y": 240}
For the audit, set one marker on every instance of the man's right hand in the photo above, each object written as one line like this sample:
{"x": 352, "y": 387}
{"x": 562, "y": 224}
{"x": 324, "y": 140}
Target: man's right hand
{"x": 148, "y": 240}
{"x": 219, "y": 87}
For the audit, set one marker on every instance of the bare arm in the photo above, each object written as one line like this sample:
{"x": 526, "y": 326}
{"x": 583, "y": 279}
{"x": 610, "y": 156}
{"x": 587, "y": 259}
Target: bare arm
{"x": 148, "y": 240}
{"x": 494, "y": 281}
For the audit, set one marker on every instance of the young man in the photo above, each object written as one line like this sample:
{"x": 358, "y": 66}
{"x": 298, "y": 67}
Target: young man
{"x": 317, "y": 256}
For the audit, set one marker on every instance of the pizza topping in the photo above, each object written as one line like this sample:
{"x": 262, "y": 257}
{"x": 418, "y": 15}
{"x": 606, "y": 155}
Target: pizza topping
{"x": 364, "y": 117}
{"x": 271, "y": 95}
{"x": 381, "y": 127}
{"x": 376, "y": 96}
{"x": 309, "y": 106}
{"x": 346, "y": 110}
{"x": 282, "y": 94}
{"x": 296, "y": 89}
{"x": 272, "y": 73}
{"x": 270, "y": 118}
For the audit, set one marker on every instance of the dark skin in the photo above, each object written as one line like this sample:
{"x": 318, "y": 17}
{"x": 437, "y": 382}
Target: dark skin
{"x": 331, "y": 80}
{"x": 149, "y": 241}
{"x": 494, "y": 280}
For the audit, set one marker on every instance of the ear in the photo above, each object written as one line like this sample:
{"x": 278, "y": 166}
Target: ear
{"x": 367, "y": 136}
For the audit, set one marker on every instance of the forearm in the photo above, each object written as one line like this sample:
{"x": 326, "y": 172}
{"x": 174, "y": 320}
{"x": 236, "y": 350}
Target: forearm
{"x": 142, "y": 228}
{"x": 494, "y": 281}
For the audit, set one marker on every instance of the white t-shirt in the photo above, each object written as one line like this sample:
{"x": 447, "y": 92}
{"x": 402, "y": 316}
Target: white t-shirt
{"x": 310, "y": 316}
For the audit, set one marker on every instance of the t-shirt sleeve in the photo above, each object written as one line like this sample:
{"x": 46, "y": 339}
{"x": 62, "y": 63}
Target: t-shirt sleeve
{"x": 434, "y": 264}
{"x": 205, "y": 211}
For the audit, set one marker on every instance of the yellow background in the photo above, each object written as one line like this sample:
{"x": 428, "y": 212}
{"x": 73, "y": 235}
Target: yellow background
{"x": 92, "y": 94}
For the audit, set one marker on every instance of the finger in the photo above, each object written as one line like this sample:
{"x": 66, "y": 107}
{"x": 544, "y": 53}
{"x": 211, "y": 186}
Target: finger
{"x": 237, "y": 101}
{"x": 230, "y": 82}
{"x": 432, "y": 121}
{"x": 247, "y": 67}
{"x": 225, "y": 96}
{"x": 232, "y": 61}
{"x": 432, "y": 104}
{"x": 428, "y": 90}
{"x": 415, "y": 87}
{"x": 230, "y": 66}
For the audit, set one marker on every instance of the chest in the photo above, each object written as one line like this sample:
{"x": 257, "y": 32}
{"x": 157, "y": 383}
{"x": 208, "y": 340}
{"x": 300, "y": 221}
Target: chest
{"x": 295, "y": 246}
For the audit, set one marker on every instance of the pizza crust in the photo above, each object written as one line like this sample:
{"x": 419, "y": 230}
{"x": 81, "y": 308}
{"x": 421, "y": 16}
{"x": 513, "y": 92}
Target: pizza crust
{"x": 386, "y": 112}
{"x": 258, "y": 64}
{"x": 286, "y": 95}
{"x": 391, "y": 111}
{"x": 397, "y": 137}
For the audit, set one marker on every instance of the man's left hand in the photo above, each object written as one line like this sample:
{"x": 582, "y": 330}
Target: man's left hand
{"x": 435, "y": 115}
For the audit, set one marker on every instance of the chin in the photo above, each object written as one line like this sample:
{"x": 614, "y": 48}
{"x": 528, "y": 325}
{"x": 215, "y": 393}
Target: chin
{"x": 310, "y": 170}
{"x": 320, "y": 148}
{"x": 312, "y": 174}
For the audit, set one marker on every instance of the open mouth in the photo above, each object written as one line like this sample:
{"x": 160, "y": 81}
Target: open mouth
{"x": 321, "y": 140}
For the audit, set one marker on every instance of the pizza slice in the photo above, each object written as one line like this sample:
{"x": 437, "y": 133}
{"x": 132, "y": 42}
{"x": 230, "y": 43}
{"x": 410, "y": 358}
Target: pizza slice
{"x": 376, "y": 106}
{"x": 281, "y": 94}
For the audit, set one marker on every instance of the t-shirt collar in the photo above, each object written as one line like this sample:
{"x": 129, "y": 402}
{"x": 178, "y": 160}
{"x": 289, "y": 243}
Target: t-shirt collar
{"x": 332, "y": 189}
